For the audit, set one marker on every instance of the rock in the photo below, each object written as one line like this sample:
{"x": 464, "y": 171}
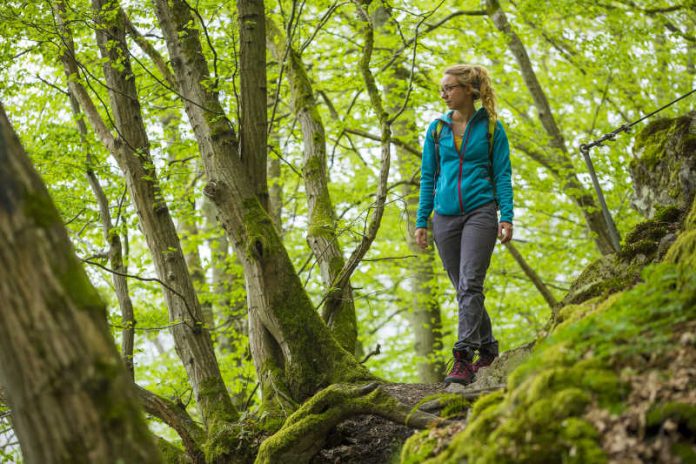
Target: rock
{"x": 665, "y": 243}
{"x": 664, "y": 167}
{"x": 646, "y": 243}
{"x": 605, "y": 276}
{"x": 495, "y": 375}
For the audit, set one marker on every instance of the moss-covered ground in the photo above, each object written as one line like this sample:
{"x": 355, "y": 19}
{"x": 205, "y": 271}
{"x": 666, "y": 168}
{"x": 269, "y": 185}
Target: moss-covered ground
{"x": 590, "y": 365}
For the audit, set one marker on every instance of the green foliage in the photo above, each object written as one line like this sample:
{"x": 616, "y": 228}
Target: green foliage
{"x": 599, "y": 65}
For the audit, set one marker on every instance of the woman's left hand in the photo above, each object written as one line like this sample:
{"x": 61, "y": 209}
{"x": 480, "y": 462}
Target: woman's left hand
{"x": 504, "y": 232}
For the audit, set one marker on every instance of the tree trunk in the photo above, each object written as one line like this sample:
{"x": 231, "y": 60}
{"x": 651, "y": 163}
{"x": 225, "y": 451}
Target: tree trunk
{"x": 291, "y": 343}
{"x": 561, "y": 160}
{"x": 131, "y": 150}
{"x": 252, "y": 98}
{"x": 72, "y": 400}
{"x": 115, "y": 252}
{"x": 339, "y": 308}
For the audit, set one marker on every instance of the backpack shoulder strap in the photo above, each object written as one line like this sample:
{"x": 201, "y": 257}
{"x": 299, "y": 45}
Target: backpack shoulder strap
{"x": 491, "y": 138}
{"x": 436, "y": 139}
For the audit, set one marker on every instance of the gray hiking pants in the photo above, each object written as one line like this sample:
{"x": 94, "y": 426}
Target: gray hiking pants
{"x": 465, "y": 244}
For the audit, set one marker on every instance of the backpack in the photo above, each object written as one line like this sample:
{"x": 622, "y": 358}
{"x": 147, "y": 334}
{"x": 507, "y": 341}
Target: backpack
{"x": 490, "y": 136}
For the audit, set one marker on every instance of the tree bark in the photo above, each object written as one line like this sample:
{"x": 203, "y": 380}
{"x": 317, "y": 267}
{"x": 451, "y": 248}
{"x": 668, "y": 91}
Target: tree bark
{"x": 175, "y": 415}
{"x": 338, "y": 309}
{"x": 561, "y": 159}
{"x": 131, "y": 151}
{"x": 71, "y": 398}
{"x": 292, "y": 345}
{"x": 252, "y": 80}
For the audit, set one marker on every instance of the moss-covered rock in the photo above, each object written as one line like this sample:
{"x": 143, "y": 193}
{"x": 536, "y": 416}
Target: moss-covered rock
{"x": 607, "y": 275}
{"x": 485, "y": 402}
{"x": 540, "y": 418}
{"x": 683, "y": 251}
{"x": 664, "y": 167}
{"x": 426, "y": 444}
{"x": 620, "y": 271}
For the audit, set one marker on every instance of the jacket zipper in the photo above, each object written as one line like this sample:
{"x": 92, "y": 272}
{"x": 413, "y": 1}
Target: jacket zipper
{"x": 461, "y": 162}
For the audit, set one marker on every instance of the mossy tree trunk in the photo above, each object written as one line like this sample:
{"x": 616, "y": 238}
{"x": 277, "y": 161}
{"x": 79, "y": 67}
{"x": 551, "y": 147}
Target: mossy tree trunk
{"x": 294, "y": 352}
{"x": 58, "y": 361}
{"x": 131, "y": 151}
{"x": 338, "y": 309}
{"x": 304, "y": 432}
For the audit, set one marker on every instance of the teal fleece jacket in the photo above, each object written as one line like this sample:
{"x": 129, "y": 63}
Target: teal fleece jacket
{"x": 464, "y": 181}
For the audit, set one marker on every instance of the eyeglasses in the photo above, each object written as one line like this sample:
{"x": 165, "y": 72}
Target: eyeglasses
{"x": 448, "y": 88}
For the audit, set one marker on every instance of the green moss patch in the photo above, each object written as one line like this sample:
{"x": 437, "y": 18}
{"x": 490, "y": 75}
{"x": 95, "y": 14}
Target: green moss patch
{"x": 681, "y": 413}
{"x": 651, "y": 142}
{"x": 645, "y": 237}
{"x": 541, "y": 416}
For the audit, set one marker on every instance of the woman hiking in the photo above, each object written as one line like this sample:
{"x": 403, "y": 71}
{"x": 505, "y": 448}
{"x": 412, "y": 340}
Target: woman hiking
{"x": 465, "y": 174}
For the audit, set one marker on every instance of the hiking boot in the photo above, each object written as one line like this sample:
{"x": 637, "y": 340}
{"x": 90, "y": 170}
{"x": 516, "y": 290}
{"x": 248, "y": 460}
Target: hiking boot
{"x": 462, "y": 371}
{"x": 485, "y": 359}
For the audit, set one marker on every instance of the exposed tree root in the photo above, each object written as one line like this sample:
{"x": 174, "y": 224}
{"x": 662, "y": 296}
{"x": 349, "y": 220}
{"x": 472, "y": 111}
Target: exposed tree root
{"x": 438, "y": 404}
{"x": 304, "y": 433}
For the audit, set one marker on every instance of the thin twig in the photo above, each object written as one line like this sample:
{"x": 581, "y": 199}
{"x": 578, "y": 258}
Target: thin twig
{"x": 372, "y": 353}
{"x": 153, "y": 279}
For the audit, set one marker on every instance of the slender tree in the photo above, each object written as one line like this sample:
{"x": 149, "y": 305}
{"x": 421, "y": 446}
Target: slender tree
{"x": 558, "y": 159}
{"x": 130, "y": 148}
{"x": 338, "y": 309}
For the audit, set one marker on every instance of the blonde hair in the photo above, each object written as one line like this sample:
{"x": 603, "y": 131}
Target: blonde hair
{"x": 480, "y": 81}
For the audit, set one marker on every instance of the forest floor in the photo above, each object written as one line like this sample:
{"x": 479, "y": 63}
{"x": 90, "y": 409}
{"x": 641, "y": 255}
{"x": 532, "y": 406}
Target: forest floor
{"x": 369, "y": 439}
{"x": 628, "y": 437}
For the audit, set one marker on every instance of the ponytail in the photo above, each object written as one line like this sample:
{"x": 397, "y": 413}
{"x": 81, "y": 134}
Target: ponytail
{"x": 479, "y": 79}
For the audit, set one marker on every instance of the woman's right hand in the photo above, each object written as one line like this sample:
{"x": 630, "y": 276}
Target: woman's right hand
{"x": 422, "y": 237}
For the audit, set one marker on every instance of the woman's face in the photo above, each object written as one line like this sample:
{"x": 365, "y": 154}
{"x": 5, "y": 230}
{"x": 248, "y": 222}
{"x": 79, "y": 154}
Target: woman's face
{"x": 453, "y": 93}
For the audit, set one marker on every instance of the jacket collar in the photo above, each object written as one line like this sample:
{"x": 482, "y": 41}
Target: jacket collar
{"x": 447, "y": 117}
